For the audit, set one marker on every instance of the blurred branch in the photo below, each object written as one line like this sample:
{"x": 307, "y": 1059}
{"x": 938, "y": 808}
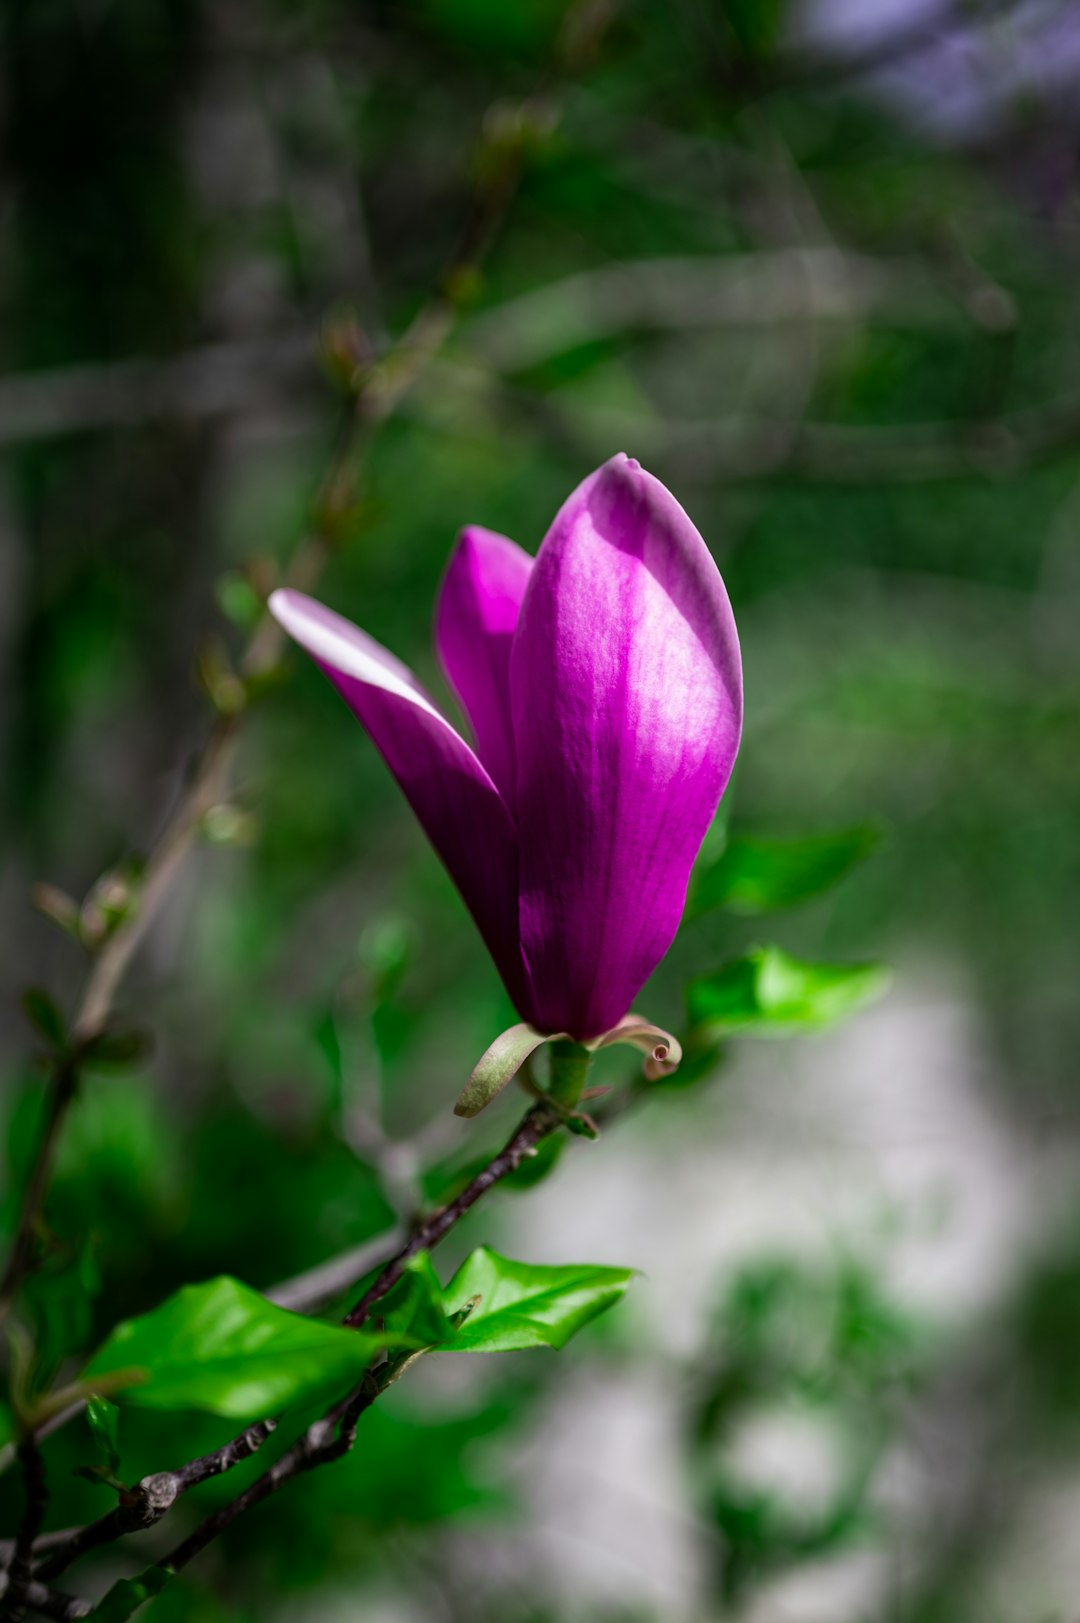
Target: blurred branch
{"x": 310, "y": 1291}
{"x": 52, "y": 1603}
{"x": 330, "y": 1437}
{"x": 221, "y": 379}
{"x": 65, "y": 1079}
{"x": 744, "y": 449}
{"x": 762, "y": 289}
{"x": 378, "y": 392}
{"x": 212, "y": 381}
{"x": 36, "y": 1495}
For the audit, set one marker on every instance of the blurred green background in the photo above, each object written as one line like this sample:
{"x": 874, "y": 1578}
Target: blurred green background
{"x": 817, "y": 269}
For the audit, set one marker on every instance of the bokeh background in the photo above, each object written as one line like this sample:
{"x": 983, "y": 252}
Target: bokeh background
{"x": 816, "y": 266}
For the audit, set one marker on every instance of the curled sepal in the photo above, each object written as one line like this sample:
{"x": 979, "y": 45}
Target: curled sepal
{"x": 497, "y": 1067}
{"x": 662, "y": 1051}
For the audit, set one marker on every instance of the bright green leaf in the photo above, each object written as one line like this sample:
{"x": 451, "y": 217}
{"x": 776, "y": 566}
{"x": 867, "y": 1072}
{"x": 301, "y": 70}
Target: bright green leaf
{"x": 224, "y": 1348}
{"x": 103, "y": 1418}
{"x": 125, "y": 1597}
{"x": 522, "y": 1304}
{"x": 414, "y": 1310}
{"x": 754, "y": 875}
{"x": 767, "y": 994}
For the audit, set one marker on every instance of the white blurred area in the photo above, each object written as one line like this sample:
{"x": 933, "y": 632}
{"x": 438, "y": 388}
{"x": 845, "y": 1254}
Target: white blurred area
{"x": 881, "y": 1138}
{"x": 955, "y": 73}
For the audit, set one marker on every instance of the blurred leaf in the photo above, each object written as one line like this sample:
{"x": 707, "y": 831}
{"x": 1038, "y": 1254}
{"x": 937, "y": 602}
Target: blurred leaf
{"x": 219, "y": 681}
{"x": 491, "y": 27}
{"x": 229, "y": 825}
{"x": 7, "y": 1425}
{"x": 118, "y": 1048}
{"x": 768, "y": 993}
{"x": 103, "y": 1418}
{"x": 754, "y": 875}
{"x": 108, "y": 904}
{"x": 755, "y": 23}
{"x": 55, "y": 904}
{"x": 525, "y": 1304}
{"x": 328, "y": 1042}
{"x": 445, "y": 1179}
{"x": 533, "y": 1169}
{"x": 43, "y": 1014}
{"x": 238, "y": 600}
{"x": 224, "y": 1348}
{"x": 59, "y": 1297}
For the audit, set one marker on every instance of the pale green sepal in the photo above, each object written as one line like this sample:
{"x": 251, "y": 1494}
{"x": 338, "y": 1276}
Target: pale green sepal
{"x": 663, "y": 1053}
{"x": 497, "y": 1067}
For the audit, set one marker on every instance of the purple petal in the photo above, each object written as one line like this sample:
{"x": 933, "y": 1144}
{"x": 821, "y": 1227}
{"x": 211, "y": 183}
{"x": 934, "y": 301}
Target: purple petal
{"x": 475, "y": 620}
{"x": 458, "y": 806}
{"x": 626, "y": 688}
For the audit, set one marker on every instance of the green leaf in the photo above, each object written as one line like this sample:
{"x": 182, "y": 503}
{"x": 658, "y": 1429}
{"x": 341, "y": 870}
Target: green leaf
{"x": 524, "y": 1304}
{"x": 224, "y": 1348}
{"x": 43, "y": 1014}
{"x": 103, "y": 1419}
{"x": 413, "y": 1311}
{"x": 124, "y": 1598}
{"x": 769, "y": 994}
{"x": 754, "y": 875}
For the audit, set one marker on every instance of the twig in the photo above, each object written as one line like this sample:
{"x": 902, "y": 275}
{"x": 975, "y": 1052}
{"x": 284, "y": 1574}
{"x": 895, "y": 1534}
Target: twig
{"x": 537, "y": 1124}
{"x": 36, "y": 1494}
{"x": 378, "y": 397}
{"x": 213, "y": 380}
{"x": 155, "y": 1495}
{"x": 333, "y": 1436}
{"x": 152, "y": 1499}
{"x": 748, "y": 449}
{"x": 304, "y": 1293}
{"x": 55, "y": 1604}
{"x": 65, "y": 1078}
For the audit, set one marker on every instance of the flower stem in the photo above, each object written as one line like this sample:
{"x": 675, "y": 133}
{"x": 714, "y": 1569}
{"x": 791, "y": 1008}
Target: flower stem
{"x": 569, "y": 1072}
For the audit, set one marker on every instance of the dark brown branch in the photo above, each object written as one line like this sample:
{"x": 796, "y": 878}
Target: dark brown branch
{"x": 538, "y": 1123}
{"x": 330, "y": 1437}
{"x": 65, "y": 1080}
{"x": 151, "y": 1499}
{"x": 333, "y": 1436}
{"x": 54, "y": 1603}
{"x": 36, "y": 1494}
{"x": 378, "y": 397}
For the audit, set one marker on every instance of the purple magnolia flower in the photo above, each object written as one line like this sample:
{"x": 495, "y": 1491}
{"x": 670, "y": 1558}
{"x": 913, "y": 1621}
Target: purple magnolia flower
{"x": 603, "y": 685}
